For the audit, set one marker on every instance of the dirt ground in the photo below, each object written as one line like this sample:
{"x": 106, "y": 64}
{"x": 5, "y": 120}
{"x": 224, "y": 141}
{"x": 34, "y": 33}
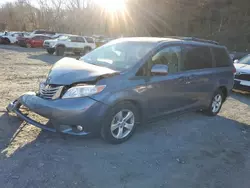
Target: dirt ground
{"x": 187, "y": 150}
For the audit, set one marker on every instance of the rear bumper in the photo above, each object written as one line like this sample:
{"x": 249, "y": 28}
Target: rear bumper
{"x": 64, "y": 114}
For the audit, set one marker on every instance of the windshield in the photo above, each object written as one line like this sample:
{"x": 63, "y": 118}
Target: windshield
{"x": 245, "y": 60}
{"x": 119, "y": 55}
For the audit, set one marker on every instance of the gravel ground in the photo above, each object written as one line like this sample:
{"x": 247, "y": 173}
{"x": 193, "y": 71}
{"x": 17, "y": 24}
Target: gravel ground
{"x": 187, "y": 150}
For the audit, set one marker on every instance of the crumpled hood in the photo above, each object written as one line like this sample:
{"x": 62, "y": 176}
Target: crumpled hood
{"x": 68, "y": 71}
{"x": 242, "y": 68}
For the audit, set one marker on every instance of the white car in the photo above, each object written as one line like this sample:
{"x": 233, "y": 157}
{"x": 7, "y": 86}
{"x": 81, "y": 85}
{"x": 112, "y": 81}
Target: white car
{"x": 12, "y": 37}
{"x": 242, "y": 75}
{"x": 70, "y": 43}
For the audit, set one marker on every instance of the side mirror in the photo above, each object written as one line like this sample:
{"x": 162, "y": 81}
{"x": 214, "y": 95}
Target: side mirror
{"x": 160, "y": 70}
{"x": 236, "y": 61}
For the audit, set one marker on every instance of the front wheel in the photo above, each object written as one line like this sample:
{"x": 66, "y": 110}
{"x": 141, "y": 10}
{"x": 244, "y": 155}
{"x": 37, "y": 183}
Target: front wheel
{"x": 120, "y": 123}
{"x": 215, "y": 104}
{"x": 50, "y": 51}
{"x": 60, "y": 50}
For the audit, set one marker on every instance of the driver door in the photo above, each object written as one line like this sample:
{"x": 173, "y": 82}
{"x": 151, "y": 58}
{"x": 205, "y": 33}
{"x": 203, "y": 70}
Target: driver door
{"x": 167, "y": 93}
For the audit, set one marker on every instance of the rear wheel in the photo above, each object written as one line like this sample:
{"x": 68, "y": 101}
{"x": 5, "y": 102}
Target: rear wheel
{"x": 120, "y": 123}
{"x": 50, "y": 51}
{"x": 216, "y": 103}
{"x": 6, "y": 41}
{"x": 60, "y": 50}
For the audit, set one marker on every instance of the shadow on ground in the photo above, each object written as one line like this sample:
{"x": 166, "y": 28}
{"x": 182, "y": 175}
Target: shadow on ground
{"x": 188, "y": 150}
{"x": 20, "y": 49}
{"x": 50, "y": 59}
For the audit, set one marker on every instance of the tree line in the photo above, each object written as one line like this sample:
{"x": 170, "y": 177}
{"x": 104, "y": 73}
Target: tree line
{"x": 226, "y": 21}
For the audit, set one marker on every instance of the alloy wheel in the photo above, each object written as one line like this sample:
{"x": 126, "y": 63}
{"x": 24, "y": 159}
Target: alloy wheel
{"x": 216, "y": 104}
{"x": 122, "y": 124}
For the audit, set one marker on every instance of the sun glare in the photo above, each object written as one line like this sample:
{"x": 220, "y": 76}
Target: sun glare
{"x": 112, "y": 5}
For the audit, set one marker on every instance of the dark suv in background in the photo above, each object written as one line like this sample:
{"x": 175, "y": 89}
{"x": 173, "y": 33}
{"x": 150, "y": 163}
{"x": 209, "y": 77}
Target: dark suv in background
{"x": 128, "y": 81}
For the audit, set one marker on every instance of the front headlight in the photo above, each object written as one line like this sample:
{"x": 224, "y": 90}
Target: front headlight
{"x": 52, "y": 44}
{"x": 83, "y": 91}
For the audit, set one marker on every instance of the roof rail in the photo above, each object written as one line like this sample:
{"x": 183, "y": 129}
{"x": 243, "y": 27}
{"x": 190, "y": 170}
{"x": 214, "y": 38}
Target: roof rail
{"x": 194, "y": 39}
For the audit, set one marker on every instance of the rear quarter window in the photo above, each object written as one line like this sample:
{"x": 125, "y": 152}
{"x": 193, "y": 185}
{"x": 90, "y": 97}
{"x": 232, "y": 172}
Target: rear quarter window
{"x": 197, "y": 57}
{"x": 222, "y": 59}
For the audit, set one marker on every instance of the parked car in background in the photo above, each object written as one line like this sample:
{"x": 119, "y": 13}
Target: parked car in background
{"x": 33, "y": 41}
{"x": 128, "y": 81}
{"x": 11, "y": 37}
{"x": 71, "y": 43}
{"x": 43, "y": 32}
{"x": 238, "y": 55}
{"x": 58, "y": 35}
{"x": 242, "y": 75}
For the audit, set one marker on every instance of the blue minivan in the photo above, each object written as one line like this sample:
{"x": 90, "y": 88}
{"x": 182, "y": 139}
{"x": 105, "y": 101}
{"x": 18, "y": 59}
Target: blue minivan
{"x": 129, "y": 81}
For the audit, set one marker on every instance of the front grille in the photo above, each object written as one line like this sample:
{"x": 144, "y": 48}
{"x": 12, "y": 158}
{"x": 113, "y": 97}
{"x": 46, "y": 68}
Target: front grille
{"x": 243, "y": 77}
{"x": 47, "y": 43}
{"x": 49, "y": 91}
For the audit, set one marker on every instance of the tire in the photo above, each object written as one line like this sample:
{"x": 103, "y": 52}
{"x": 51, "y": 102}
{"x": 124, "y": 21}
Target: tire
{"x": 50, "y": 51}
{"x": 216, "y": 103}
{"x": 6, "y": 41}
{"x": 87, "y": 50}
{"x": 115, "y": 119}
{"x": 60, "y": 50}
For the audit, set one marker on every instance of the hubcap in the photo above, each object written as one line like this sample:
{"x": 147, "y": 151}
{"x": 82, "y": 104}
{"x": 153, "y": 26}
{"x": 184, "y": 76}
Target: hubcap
{"x": 216, "y": 104}
{"x": 122, "y": 124}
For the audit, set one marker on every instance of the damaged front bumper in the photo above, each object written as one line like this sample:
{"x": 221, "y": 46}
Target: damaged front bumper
{"x": 65, "y": 115}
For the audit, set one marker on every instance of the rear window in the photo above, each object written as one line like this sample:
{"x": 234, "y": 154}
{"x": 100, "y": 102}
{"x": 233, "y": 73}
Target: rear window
{"x": 39, "y": 32}
{"x": 89, "y": 40}
{"x": 197, "y": 57}
{"x": 45, "y": 32}
{"x": 80, "y": 39}
{"x": 221, "y": 57}
{"x": 50, "y": 33}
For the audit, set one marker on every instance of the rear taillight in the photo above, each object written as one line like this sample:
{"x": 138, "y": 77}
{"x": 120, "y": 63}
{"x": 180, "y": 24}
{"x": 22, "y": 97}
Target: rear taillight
{"x": 234, "y": 70}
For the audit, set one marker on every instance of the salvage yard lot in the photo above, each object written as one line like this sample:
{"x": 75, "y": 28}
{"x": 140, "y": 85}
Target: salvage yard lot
{"x": 184, "y": 150}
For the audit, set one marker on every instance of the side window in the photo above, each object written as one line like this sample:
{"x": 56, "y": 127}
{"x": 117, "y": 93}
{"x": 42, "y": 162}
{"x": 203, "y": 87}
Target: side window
{"x": 39, "y": 32}
{"x": 221, "y": 57}
{"x": 36, "y": 38}
{"x": 46, "y": 38}
{"x": 170, "y": 56}
{"x": 49, "y": 33}
{"x": 73, "y": 39}
{"x": 80, "y": 39}
{"x": 89, "y": 40}
{"x": 197, "y": 57}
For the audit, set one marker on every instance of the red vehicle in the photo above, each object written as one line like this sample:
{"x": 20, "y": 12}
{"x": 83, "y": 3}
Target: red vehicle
{"x": 34, "y": 41}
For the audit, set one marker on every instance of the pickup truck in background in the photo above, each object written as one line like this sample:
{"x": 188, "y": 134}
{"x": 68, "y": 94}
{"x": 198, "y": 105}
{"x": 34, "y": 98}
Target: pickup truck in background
{"x": 69, "y": 43}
